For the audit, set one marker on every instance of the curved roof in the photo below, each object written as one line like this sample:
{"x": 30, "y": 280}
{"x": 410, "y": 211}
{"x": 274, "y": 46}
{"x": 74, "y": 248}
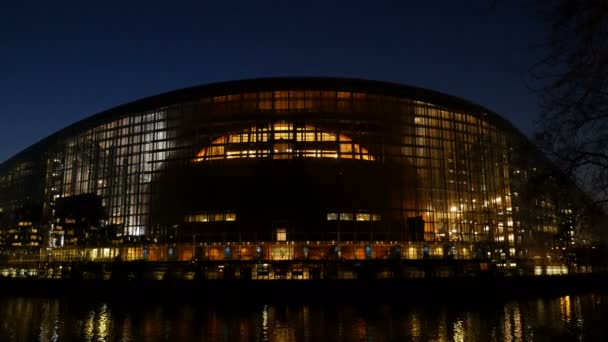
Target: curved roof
{"x": 273, "y": 83}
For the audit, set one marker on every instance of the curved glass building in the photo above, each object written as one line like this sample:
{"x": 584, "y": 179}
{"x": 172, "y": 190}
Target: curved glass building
{"x": 291, "y": 169}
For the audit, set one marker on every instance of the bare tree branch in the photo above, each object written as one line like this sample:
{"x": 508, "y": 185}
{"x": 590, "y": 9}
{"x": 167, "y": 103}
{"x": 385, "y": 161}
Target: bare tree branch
{"x": 572, "y": 81}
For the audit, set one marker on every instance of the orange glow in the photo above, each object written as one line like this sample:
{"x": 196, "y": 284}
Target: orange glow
{"x": 287, "y": 143}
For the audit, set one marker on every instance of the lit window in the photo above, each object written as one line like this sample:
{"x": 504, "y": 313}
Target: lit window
{"x": 346, "y": 217}
{"x": 328, "y": 137}
{"x": 281, "y": 234}
{"x": 343, "y": 95}
{"x": 346, "y": 148}
{"x": 376, "y": 217}
{"x": 210, "y": 217}
{"x": 363, "y": 217}
{"x": 282, "y": 137}
{"x": 332, "y": 216}
{"x": 282, "y": 126}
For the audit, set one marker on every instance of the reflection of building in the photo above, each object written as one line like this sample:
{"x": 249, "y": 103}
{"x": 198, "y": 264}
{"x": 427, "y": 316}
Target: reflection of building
{"x": 295, "y": 168}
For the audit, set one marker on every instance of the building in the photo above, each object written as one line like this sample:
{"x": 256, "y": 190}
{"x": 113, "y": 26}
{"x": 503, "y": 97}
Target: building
{"x": 291, "y": 169}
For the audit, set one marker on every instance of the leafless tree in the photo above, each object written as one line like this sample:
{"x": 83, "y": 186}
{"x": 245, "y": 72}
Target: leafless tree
{"x": 572, "y": 81}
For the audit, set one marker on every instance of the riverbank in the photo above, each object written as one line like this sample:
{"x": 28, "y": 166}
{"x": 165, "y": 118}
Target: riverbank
{"x": 377, "y": 290}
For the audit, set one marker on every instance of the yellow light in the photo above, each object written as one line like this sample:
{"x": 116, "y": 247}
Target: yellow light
{"x": 282, "y": 132}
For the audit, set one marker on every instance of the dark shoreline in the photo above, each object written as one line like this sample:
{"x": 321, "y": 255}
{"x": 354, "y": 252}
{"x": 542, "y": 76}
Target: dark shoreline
{"x": 309, "y": 291}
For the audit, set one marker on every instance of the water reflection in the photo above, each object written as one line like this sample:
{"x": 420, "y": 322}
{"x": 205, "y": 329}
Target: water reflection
{"x": 458, "y": 331}
{"x": 564, "y": 303}
{"x": 574, "y": 317}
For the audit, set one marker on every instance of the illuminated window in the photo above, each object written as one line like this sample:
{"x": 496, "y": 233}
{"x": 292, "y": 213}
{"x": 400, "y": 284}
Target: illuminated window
{"x": 285, "y": 144}
{"x": 360, "y": 216}
{"x": 281, "y": 234}
{"x": 343, "y": 95}
{"x": 210, "y": 217}
{"x": 363, "y": 217}
{"x": 346, "y": 148}
{"x": 328, "y": 137}
{"x": 346, "y": 217}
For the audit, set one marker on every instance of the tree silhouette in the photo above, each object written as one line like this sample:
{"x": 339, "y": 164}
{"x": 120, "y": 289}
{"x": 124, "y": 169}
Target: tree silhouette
{"x": 572, "y": 81}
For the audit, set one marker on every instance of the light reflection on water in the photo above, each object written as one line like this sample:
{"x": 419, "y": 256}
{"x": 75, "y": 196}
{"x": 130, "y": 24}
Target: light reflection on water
{"x": 575, "y": 317}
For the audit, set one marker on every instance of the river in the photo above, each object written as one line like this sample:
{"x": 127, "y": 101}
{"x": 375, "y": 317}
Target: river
{"x": 576, "y": 317}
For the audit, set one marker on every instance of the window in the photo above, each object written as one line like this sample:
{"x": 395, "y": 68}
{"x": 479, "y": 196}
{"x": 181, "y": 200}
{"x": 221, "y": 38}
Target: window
{"x": 210, "y": 217}
{"x": 230, "y": 216}
{"x": 281, "y": 234}
{"x": 363, "y": 217}
{"x": 358, "y": 216}
{"x": 346, "y": 217}
{"x": 285, "y": 143}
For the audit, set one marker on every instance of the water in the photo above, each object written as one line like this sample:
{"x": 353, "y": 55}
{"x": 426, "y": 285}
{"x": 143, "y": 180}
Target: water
{"x": 582, "y": 317}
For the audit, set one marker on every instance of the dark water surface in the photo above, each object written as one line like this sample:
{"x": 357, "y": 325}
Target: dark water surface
{"x": 578, "y": 317}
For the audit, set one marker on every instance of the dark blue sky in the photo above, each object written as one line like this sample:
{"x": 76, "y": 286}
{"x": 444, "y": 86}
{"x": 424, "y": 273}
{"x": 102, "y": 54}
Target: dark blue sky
{"x": 61, "y": 63}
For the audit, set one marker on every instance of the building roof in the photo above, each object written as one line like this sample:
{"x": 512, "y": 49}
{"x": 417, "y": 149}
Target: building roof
{"x": 267, "y": 84}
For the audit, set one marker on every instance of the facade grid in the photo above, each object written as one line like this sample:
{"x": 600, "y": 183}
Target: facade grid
{"x": 370, "y": 167}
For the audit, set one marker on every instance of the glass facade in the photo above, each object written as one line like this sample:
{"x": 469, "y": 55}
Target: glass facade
{"x": 116, "y": 160}
{"x": 283, "y": 140}
{"x": 367, "y": 168}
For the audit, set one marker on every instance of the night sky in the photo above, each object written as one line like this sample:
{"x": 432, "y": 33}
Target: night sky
{"x": 62, "y": 63}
